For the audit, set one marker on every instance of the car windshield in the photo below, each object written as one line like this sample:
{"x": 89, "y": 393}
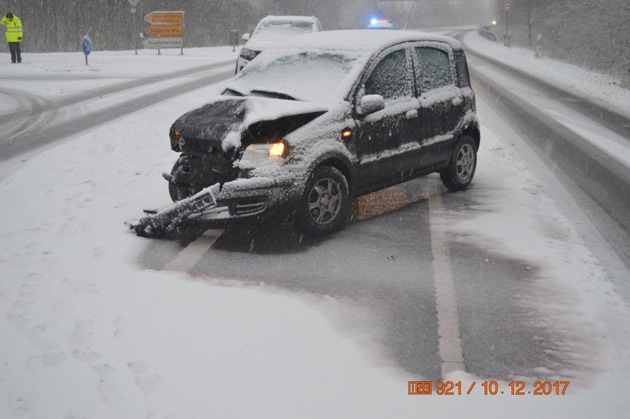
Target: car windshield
{"x": 318, "y": 76}
{"x": 281, "y": 29}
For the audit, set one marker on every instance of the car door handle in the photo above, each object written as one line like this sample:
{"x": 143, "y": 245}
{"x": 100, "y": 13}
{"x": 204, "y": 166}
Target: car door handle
{"x": 412, "y": 114}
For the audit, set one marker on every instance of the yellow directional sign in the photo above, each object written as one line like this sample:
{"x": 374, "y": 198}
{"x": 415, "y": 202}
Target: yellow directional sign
{"x": 165, "y": 30}
{"x": 165, "y": 18}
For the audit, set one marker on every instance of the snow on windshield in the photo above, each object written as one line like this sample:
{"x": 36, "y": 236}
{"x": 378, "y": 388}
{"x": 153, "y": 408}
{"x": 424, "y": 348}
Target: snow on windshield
{"x": 277, "y": 30}
{"x": 318, "y": 76}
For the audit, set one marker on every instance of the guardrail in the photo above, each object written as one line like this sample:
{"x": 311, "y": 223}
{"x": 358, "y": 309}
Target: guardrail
{"x": 488, "y": 33}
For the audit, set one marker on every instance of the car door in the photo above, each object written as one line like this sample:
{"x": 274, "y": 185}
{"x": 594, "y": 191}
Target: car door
{"x": 381, "y": 134}
{"x": 441, "y": 103}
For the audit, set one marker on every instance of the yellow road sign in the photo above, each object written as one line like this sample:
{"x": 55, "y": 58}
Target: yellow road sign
{"x": 165, "y": 18}
{"x": 165, "y": 30}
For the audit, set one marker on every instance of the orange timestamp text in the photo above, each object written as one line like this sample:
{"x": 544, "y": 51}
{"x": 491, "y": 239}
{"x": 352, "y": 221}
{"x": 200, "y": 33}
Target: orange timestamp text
{"x": 488, "y": 388}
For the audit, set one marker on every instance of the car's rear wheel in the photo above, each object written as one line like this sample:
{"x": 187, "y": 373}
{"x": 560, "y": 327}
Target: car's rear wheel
{"x": 461, "y": 167}
{"x": 324, "y": 204}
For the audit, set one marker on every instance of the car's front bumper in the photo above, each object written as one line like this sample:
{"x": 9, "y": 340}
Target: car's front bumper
{"x": 246, "y": 198}
{"x": 221, "y": 205}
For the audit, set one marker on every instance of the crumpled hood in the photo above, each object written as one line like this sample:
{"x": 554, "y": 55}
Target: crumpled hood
{"x": 227, "y": 120}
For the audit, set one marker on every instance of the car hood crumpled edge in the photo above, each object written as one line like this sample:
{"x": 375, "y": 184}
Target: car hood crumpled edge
{"x": 239, "y": 116}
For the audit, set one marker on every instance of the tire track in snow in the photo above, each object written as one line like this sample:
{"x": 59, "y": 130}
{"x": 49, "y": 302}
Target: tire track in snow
{"x": 38, "y": 129}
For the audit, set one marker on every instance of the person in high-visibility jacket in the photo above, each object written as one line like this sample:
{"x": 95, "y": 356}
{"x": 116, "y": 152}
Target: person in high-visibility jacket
{"x": 14, "y": 36}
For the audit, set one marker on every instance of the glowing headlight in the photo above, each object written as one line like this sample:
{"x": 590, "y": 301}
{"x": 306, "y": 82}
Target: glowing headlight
{"x": 268, "y": 150}
{"x": 276, "y": 150}
{"x": 248, "y": 54}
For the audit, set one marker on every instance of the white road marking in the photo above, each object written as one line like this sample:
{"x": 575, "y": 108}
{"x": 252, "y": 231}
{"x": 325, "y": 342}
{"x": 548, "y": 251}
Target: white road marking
{"x": 192, "y": 254}
{"x": 450, "y": 344}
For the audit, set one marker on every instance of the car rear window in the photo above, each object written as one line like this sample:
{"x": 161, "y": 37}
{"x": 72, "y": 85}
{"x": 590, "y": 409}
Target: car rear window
{"x": 462, "y": 69}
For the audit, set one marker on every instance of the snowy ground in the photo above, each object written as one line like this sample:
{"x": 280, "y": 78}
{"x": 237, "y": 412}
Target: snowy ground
{"x": 86, "y": 332}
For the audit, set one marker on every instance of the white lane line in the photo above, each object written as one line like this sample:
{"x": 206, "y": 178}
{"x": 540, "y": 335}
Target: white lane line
{"x": 191, "y": 254}
{"x": 450, "y": 343}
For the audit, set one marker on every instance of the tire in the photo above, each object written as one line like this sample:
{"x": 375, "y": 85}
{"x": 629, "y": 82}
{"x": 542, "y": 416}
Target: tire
{"x": 461, "y": 167}
{"x": 324, "y": 205}
{"x": 172, "y": 191}
{"x": 179, "y": 192}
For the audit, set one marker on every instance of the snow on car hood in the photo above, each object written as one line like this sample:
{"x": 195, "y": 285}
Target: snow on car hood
{"x": 266, "y": 41}
{"x": 223, "y": 122}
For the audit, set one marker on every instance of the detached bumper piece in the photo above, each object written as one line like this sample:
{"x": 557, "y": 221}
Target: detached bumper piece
{"x": 178, "y": 218}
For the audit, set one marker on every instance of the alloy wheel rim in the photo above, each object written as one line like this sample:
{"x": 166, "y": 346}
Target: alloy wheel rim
{"x": 465, "y": 163}
{"x": 324, "y": 201}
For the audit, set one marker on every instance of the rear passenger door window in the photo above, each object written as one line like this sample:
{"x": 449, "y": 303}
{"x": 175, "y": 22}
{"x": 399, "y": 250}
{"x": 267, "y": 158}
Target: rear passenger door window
{"x": 441, "y": 100}
{"x": 434, "y": 69}
{"x": 462, "y": 70}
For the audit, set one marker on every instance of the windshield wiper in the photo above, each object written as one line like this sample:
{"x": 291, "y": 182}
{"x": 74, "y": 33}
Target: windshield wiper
{"x": 270, "y": 94}
{"x": 231, "y": 92}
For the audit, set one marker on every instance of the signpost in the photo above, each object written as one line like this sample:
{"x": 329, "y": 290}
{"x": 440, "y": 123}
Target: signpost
{"x": 165, "y": 18}
{"x": 133, "y": 4}
{"x": 167, "y": 30}
{"x": 507, "y": 6}
{"x": 158, "y": 43}
{"x": 234, "y": 39}
{"x": 86, "y": 45}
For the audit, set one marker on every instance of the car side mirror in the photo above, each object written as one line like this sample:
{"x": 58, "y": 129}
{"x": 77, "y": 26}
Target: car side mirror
{"x": 370, "y": 104}
{"x": 245, "y": 37}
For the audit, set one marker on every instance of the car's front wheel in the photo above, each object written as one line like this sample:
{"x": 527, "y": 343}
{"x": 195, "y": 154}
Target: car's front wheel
{"x": 324, "y": 204}
{"x": 461, "y": 167}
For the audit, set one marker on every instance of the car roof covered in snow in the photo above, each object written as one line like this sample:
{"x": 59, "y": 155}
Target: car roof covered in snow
{"x": 283, "y": 18}
{"x": 361, "y": 40}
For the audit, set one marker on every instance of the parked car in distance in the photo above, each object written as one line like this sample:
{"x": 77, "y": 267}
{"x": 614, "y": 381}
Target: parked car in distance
{"x": 316, "y": 121}
{"x": 270, "y": 30}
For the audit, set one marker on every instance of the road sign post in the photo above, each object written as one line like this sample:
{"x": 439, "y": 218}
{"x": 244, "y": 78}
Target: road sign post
{"x": 507, "y": 6}
{"x": 134, "y": 38}
{"x": 86, "y": 46}
{"x": 165, "y": 18}
{"x": 163, "y": 42}
{"x": 133, "y": 24}
{"x": 166, "y": 30}
{"x": 234, "y": 38}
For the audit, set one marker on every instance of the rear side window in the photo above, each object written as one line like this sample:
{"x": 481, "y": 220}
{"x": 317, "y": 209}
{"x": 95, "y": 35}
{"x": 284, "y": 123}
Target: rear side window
{"x": 462, "y": 70}
{"x": 435, "y": 68}
{"x": 389, "y": 77}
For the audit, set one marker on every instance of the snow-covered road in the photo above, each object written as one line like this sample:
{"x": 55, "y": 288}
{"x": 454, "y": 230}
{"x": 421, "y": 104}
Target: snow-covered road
{"x": 93, "y": 325}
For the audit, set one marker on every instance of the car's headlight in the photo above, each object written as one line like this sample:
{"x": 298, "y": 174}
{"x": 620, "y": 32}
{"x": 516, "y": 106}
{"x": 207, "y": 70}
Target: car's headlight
{"x": 272, "y": 150}
{"x": 248, "y": 54}
{"x": 177, "y": 141}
